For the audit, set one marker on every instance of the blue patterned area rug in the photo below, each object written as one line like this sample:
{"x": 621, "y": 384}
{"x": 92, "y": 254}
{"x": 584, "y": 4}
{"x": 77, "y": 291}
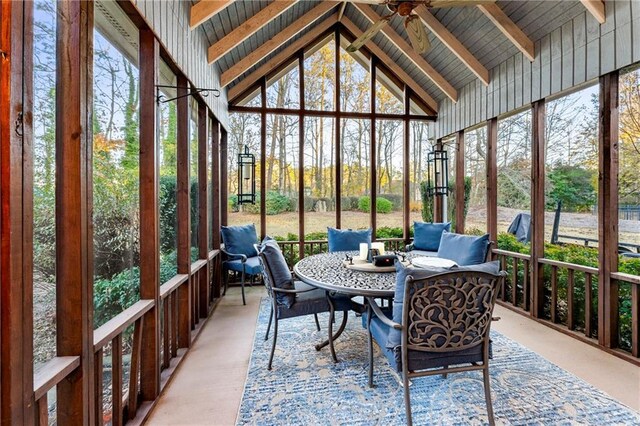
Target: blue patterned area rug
{"x": 306, "y": 388}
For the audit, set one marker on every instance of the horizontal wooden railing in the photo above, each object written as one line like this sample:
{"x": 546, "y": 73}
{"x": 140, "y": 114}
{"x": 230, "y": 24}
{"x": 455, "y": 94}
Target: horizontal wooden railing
{"x": 46, "y": 378}
{"x": 564, "y": 309}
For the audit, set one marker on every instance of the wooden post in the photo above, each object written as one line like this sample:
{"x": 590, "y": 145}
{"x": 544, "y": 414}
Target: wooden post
{"x": 184, "y": 214}
{"x": 460, "y": 216}
{"x": 149, "y": 215}
{"x": 16, "y": 189}
{"x": 224, "y": 176}
{"x": 537, "y": 207}
{"x": 492, "y": 179}
{"x": 216, "y": 183}
{"x": 74, "y": 248}
{"x": 608, "y": 211}
{"x": 338, "y": 134}
{"x": 438, "y": 210}
{"x": 203, "y": 208}
{"x": 406, "y": 175}
{"x": 372, "y": 149}
{"x": 301, "y": 127}
{"x": 263, "y": 159}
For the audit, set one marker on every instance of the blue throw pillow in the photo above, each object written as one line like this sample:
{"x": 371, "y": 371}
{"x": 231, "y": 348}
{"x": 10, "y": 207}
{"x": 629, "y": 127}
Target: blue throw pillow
{"x": 279, "y": 269}
{"x": 426, "y": 236}
{"x": 347, "y": 240}
{"x": 464, "y": 249}
{"x": 240, "y": 239}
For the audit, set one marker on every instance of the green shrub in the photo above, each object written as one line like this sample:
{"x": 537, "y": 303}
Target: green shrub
{"x": 388, "y": 232}
{"x": 572, "y": 185}
{"x": 382, "y": 204}
{"x": 276, "y": 203}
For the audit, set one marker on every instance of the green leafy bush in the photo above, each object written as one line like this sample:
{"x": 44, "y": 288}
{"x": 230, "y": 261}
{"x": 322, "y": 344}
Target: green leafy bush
{"x": 571, "y": 185}
{"x": 382, "y": 204}
{"x": 276, "y": 203}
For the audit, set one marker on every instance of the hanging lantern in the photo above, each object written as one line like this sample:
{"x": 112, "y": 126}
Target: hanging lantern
{"x": 246, "y": 177}
{"x": 438, "y": 172}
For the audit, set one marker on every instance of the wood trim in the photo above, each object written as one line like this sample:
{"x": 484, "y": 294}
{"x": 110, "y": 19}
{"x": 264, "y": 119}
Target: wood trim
{"x": 596, "y": 8}
{"x": 406, "y": 165}
{"x": 398, "y": 41}
{"x": 118, "y": 324}
{"x": 74, "y": 292}
{"x": 205, "y": 10}
{"x": 537, "y": 207}
{"x": 509, "y": 29}
{"x": 275, "y": 42}
{"x": 301, "y": 127}
{"x": 492, "y": 179}
{"x": 216, "y": 183}
{"x": 263, "y": 160}
{"x": 16, "y": 187}
{"x": 284, "y": 56}
{"x": 343, "y": 114}
{"x": 224, "y": 176}
{"x": 373, "y": 190}
{"x": 452, "y": 43}
{"x": 393, "y": 67}
{"x": 460, "y": 216}
{"x": 203, "y": 184}
{"x": 608, "y": 210}
{"x": 149, "y": 214}
{"x": 183, "y": 193}
{"x": 247, "y": 29}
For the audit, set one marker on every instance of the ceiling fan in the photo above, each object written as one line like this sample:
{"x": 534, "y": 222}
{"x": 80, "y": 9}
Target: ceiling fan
{"x": 412, "y": 23}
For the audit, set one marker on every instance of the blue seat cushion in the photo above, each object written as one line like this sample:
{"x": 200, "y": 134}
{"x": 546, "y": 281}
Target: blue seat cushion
{"x": 312, "y": 302}
{"x": 251, "y": 266}
{"x": 240, "y": 239}
{"x": 426, "y": 236}
{"x": 464, "y": 249}
{"x": 425, "y": 253}
{"x": 419, "y": 360}
{"x": 278, "y": 270}
{"x": 347, "y": 239}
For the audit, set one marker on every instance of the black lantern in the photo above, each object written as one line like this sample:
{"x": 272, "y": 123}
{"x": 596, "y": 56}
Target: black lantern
{"x": 437, "y": 172}
{"x": 246, "y": 177}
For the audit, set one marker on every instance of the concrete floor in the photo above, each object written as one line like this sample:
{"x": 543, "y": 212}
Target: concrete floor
{"x": 208, "y": 386}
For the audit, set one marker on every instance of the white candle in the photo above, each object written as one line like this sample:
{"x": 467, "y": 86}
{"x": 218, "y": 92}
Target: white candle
{"x": 364, "y": 248}
{"x": 379, "y": 246}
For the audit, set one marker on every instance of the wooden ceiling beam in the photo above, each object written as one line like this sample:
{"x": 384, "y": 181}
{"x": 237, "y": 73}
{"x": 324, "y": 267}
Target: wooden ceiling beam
{"x": 410, "y": 53}
{"x": 596, "y": 8}
{"x": 452, "y": 43}
{"x": 283, "y": 56}
{"x": 509, "y": 29}
{"x": 205, "y": 10}
{"x": 275, "y": 42}
{"x": 248, "y": 28}
{"x": 393, "y": 67}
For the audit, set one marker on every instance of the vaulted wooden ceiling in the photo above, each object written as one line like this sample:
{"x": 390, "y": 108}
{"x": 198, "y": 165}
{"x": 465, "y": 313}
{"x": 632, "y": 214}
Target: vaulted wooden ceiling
{"x": 253, "y": 37}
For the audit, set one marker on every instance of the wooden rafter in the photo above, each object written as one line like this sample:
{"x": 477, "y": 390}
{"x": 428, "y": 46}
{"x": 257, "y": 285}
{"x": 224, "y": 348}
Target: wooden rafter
{"x": 452, "y": 43}
{"x": 281, "y": 57}
{"x": 410, "y": 52}
{"x": 205, "y": 10}
{"x": 278, "y": 40}
{"x": 509, "y": 29}
{"x": 596, "y": 8}
{"x": 393, "y": 67}
{"x": 248, "y": 28}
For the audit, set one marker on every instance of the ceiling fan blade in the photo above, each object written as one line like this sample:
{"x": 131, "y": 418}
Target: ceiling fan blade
{"x": 457, "y": 3}
{"x": 417, "y": 34}
{"x": 367, "y": 35}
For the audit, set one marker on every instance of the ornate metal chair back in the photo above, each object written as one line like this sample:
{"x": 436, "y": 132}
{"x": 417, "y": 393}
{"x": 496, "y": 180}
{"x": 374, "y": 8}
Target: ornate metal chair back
{"x": 449, "y": 312}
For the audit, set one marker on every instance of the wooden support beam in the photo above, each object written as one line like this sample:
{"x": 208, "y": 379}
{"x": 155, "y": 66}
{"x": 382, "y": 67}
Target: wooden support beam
{"x": 393, "y": 67}
{"x": 216, "y": 183}
{"x": 537, "y": 207}
{"x": 248, "y": 28}
{"x": 452, "y": 43}
{"x": 596, "y": 8}
{"x": 281, "y": 57}
{"x": 509, "y": 29}
{"x": 149, "y": 215}
{"x": 301, "y": 140}
{"x": 224, "y": 175}
{"x": 275, "y": 42}
{"x": 492, "y": 179}
{"x": 398, "y": 41}
{"x": 74, "y": 248}
{"x": 263, "y": 159}
{"x": 373, "y": 180}
{"x": 183, "y": 198}
{"x": 608, "y": 210}
{"x": 203, "y": 208}
{"x": 16, "y": 190}
{"x": 460, "y": 217}
{"x": 406, "y": 166}
{"x": 205, "y": 10}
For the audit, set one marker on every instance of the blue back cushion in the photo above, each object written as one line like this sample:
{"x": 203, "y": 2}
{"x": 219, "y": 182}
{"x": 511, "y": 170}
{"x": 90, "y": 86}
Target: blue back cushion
{"x": 347, "y": 240}
{"x": 240, "y": 239}
{"x": 280, "y": 272}
{"x": 426, "y": 236}
{"x": 464, "y": 249}
{"x": 402, "y": 272}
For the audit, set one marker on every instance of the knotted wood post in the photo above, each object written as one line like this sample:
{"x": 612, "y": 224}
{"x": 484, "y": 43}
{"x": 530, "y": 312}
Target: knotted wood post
{"x": 538, "y": 113}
